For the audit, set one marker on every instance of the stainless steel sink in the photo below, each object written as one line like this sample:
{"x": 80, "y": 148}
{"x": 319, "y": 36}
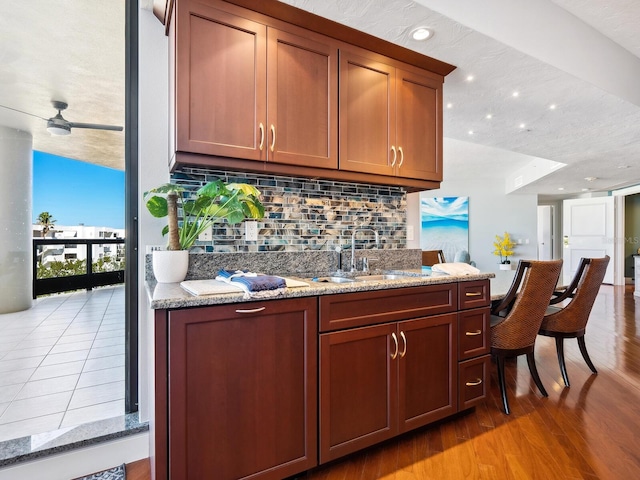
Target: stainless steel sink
{"x": 386, "y": 276}
{"x": 334, "y": 279}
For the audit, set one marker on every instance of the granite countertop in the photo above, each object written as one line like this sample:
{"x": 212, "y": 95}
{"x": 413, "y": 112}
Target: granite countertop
{"x": 172, "y": 295}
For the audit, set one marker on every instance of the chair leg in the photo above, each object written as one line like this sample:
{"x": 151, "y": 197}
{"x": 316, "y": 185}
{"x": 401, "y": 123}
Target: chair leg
{"x": 563, "y": 367}
{"x": 531, "y": 361}
{"x": 501, "y": 382}
{"x": 585, "y": 355}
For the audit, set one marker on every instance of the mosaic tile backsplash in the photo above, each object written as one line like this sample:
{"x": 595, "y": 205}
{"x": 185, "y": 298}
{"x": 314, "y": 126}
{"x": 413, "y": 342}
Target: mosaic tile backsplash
{"x": 305, "y": 214}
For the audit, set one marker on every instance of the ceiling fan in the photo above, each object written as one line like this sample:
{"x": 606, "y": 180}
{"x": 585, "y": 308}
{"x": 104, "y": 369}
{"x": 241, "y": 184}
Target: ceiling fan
{"x": 58, "y": 125}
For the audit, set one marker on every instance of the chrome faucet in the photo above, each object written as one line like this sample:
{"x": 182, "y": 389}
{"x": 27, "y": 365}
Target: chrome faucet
{"x": 353, "y": 246}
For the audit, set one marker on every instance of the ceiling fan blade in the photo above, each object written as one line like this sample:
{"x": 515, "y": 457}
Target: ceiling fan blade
{"x": 96, "y": 126}
{"x": 22, "y": 111}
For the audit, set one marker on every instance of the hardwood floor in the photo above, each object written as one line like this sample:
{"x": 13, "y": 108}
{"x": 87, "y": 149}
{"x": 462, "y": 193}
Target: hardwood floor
{"x": 588, "y": 431}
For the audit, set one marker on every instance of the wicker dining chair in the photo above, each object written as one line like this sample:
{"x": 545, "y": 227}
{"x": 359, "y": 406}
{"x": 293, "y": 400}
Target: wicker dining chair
{"x": 570, "y": 321}
{"x": 431, "y": 257}
{"x": 525, "y": 304}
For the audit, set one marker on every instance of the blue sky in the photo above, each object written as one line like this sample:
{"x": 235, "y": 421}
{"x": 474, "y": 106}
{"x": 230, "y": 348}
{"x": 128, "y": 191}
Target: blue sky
{"x": 75, "y": 192}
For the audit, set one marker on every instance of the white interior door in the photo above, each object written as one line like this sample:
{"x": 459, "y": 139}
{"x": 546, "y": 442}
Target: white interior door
{"x": 545, "y": 232}
{"x": 587, "y": 231}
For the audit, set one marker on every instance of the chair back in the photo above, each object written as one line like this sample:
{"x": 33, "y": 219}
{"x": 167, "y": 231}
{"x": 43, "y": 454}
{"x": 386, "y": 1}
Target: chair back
{"x": 534, "y": 283}
{"x": 582, "y": 294}
{"x": 431, "y": 257}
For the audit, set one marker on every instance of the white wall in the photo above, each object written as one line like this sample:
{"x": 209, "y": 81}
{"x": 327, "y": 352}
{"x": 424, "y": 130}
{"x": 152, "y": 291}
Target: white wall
{"x": 153, "y": 127}
{"x": 491, "y": 213}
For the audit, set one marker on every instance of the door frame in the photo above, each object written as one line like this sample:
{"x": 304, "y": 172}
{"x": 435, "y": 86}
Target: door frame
{"x": 131, "y": 206}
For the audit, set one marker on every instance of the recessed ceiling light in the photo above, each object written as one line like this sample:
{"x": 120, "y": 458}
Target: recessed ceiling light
{"x": 585, "y": 189}
{"x": 590, "y": 179}
{"x": 560, "y": 188}
{"x": 515, "y": 94}
{"x": 469, "y": 78}
{"x": 552, "y": 106}
{"x": 623, "y": 166}
{"x": 470, "y": 132}
{"x": 489, "y": 116}
{"x": 522, "y": 125}
{"x": 449, "y": 105}
{"x": 421, "y": 33}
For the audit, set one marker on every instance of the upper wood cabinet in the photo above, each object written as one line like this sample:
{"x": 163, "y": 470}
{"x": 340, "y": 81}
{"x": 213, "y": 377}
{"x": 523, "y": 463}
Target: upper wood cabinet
{"x": 390, "y": 118}
{"x": 250, "y": 91}
{"x": 267, "y": 87}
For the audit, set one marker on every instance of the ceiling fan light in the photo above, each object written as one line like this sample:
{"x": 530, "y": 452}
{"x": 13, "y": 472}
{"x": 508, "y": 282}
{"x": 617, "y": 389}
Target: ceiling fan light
{"x": 57, "y": 129}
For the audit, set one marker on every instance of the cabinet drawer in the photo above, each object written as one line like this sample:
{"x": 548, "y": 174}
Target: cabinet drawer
{"x": 473, "y": 378}
{"x": 473, "y": 294}
{"x": 347, "y": 310}
{"x": 473, "y": 333}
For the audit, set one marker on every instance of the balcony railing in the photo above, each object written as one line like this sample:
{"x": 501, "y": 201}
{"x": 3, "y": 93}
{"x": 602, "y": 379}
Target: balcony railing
{"x": 85, "y": 281}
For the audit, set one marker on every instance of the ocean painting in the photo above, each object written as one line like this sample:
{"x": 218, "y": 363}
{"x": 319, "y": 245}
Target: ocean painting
{"x": 445, "y": 225}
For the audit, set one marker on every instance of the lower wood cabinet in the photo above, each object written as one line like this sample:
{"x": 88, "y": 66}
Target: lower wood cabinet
{"x": 242, "y": 390}
{"x": 382, "y": 380}
{"x": 254, "y": 391}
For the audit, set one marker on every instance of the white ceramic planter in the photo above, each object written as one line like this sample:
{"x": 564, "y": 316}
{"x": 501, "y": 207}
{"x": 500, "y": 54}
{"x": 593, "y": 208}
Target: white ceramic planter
{"x": 505, "y": 266}
{"x": 170, "y": 266}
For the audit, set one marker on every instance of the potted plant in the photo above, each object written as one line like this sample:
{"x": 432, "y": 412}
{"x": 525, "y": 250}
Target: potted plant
{"x": 503, "y": 249}
{"x": 211, "y": 203}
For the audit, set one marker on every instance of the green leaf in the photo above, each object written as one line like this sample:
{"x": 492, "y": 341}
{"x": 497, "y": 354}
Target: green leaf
{"x": 166, "y": 188}
{"x": 212, "y": 189}
{"x": 248, "y": 190}
{"x": 157, "y": 206}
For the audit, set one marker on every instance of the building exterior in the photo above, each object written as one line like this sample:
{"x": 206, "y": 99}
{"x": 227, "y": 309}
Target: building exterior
{"x": 70, "y": 251}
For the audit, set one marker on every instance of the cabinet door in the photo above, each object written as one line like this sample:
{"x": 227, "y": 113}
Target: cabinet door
{"x": 220, "y": 84}
{"x": 358, "y": 389}
{"x": 419, "y": 126}
{"x": 242, "y": 390}
{"x": 428, "y": 370}
{"x": 302, "y": 80}
{"x": 367, "y": 115}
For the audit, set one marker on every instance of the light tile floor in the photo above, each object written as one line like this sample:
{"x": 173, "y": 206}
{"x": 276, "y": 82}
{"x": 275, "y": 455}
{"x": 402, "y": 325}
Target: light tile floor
{"x": 62, "y": 362}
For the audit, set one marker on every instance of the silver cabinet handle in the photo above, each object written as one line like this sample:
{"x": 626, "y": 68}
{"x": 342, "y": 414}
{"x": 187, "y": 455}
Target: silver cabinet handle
{"x": 251, "y": 310}
{"x": 473, "y": 334}
{"x": 261, "y": 136}
{"x": 404, "y": 350}
{"x": 273, "y": 137}
{"x": 393, "y": 149}
{"x": 401, "y": 157}
{"x": 395, "y": 341}
{"x": 473, "y": 384}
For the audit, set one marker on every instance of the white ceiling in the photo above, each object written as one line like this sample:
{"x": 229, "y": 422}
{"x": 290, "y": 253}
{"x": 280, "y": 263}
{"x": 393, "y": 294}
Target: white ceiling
{"x": 581, "y": 55}
{"x": 73, "y": 51}
{"x": 547, "y": 54}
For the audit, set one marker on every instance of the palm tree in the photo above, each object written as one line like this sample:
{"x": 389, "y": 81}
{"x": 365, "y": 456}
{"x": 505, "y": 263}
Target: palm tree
{"x": 47, "y": 221}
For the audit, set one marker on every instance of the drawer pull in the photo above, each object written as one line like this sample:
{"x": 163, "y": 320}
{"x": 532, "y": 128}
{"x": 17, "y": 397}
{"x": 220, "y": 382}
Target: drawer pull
{"x": 404, "y": 350}
{"x": 473, "y": 384}
{"x": 395, "y": 341}
{"x": 473, "y": 294}
{"x": 473, "y": 334}
{"x": 251, "y": 310}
